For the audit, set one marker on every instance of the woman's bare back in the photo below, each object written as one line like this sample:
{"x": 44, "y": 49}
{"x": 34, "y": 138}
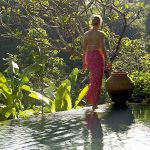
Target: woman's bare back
{"x": 94, "y": 40}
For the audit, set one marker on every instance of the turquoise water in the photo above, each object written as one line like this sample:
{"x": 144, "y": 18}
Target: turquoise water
{"x": 106, "y": 129}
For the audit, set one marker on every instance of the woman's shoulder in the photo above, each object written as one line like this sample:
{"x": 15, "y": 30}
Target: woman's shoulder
{"x": 85, "y": 33}
{"x": 101, "y": 32}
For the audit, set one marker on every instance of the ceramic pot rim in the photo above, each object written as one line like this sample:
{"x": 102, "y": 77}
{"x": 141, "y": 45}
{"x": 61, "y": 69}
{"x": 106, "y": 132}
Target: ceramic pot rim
{"x": 120, "y": 73}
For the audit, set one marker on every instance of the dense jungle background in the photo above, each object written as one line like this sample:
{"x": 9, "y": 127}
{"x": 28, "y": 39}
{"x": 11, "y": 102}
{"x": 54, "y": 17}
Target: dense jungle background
{"x": 41, "y": 51}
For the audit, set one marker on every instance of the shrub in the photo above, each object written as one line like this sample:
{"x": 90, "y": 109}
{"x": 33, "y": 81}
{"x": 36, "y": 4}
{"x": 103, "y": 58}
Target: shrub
{"x": 141, "y": 86}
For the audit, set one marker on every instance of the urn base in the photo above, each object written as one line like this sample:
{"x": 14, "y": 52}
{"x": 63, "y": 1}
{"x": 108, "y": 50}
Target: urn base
{"x": 120, "y": 98}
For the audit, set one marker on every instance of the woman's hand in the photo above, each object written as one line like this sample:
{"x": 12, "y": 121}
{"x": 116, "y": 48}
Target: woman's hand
{"x": 108, "y": 66}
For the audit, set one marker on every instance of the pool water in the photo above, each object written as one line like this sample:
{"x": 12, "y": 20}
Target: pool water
{"x": 106, "y": 129}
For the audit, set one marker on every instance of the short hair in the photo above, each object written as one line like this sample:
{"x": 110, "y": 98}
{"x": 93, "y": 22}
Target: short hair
{"x": 96, "y": 20}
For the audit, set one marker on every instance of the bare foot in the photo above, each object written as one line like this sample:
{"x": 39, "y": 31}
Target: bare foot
{"x": 94, "y": 107}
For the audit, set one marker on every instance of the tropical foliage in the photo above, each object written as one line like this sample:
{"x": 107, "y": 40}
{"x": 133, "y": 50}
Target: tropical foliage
{"x": 132, "y": 57}
{"x": 141, "y": 86}
{"x": 44, "y": 74}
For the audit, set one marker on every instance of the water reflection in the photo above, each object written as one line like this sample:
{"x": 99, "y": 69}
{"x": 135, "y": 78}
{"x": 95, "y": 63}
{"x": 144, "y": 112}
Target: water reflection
{"x": 122, "y": 130}
{"x": 49, "y": 131}
{"x": 94, "y": 125}
{"x": 141, "y": 112}
{"x": 119, "y": 120}
{"x": 106, "y": 129}
{"x": 102, "y": 125}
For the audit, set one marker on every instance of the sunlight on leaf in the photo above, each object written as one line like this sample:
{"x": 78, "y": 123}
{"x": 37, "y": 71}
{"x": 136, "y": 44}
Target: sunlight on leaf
{"x": 126, "y": 6}
{"x": 26, "y": 87}
{"x": 15, "y": 67}
{"x": 53, "y": 109}
{"x": 39, "y": 96}
{"x": 116, "y": 2}
{"x": 73, "y": 76}
{"x": 81, "y": 96}
{"x": 2, "y": 78}
{"x": 68, "y": 100}
{"x": 63, "y": 98}
{"x": 9, "y": 110}
{"x": 25, "y": 80}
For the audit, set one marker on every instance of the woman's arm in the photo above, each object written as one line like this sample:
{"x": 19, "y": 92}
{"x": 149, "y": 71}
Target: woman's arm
{"x": 84, "y": 52}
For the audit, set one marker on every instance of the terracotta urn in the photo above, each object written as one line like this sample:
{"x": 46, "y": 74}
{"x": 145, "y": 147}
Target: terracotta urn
{"x": 119, "y": 87}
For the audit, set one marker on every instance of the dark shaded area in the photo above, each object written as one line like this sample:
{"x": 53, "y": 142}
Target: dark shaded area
{"x": 131, "y": 32}
{"x": 119, "y": 120}
{"x": 7, "y": 45}
{"x": 120, "y": 98}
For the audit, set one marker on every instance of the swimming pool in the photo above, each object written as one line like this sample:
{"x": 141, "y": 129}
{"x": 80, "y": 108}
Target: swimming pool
{"x": 106, "y": 129}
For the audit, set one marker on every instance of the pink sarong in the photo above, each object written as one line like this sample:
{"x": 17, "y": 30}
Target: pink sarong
{"x": 94, "y": 62}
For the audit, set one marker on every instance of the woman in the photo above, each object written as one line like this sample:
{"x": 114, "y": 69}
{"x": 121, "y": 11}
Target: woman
{"x": 94, "y": 56}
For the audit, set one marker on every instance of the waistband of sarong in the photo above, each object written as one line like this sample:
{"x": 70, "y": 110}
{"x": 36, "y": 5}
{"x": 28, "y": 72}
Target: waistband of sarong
{"x": 94, "y": 51}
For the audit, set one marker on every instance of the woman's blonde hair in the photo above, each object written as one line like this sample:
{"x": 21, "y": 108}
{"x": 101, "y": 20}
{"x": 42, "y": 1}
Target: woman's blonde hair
{"x": 96, "y": 20}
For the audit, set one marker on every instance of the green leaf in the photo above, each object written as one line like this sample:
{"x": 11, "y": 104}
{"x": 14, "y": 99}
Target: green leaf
{"x": 73, "y": 76}
{"x": 39, "y": 96}
{"x": 14, "y": 113}
{"x": 115, "y": 16}
{"x": 141, "y": 4}
{"x": 117, "y": 3}
{"x": 31, "y": 69}
{"x": 26, "y": 87}
{"x": 61, "y": 90}
{"x": 68, "y": 85}
{"x": 49, "y": 92}
{"x": 63, "y": 98}
{"x": 68, "y": 102}
{"x": 130, "y": 14}
{"x": 24, "y": 80}
{"x": 8, "y": 97}
{"x": 60, "y": 96}
{"x": 50, "y": 83}
{"x": 9, "y": 110}
{"x": 126, "y": 6}
{"x": 53, "y": 109}
{"x": 81, "y": 96}
{"x": 6, "y": 89}
{"x": 26, "y": 113}
{"x": 2, "y": 78}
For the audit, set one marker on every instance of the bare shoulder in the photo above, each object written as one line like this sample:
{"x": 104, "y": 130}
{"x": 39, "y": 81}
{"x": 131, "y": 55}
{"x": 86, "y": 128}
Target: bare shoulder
{"x": 101, "y": 33}
{"x": 85, "y": 34}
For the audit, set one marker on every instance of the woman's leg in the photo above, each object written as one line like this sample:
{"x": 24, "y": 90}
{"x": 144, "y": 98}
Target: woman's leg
{"x": 96, "y": 68}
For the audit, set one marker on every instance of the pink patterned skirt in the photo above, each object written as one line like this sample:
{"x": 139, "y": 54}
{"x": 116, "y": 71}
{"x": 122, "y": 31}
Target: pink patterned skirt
{"x": 94, "y": 62}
